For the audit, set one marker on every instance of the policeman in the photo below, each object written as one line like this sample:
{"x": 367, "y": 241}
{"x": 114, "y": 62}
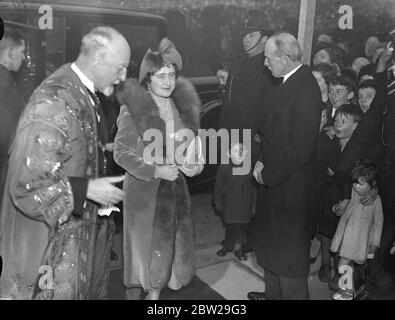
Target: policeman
{"x": 248, "y": 83}
{"x": 248, "y": 80}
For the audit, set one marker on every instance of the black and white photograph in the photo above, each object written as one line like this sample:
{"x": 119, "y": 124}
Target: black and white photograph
{"x": 221, "y": 151}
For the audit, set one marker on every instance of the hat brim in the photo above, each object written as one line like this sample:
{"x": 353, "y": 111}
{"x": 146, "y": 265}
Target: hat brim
{"x": 250, "y": 30}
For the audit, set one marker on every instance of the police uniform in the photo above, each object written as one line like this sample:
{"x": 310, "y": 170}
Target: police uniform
{"x": 248, "y": 84}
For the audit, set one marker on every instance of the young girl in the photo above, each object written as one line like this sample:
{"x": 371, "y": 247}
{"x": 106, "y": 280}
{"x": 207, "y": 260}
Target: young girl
{"x": 359, "y": 230}
{"x": 233, "y": 197}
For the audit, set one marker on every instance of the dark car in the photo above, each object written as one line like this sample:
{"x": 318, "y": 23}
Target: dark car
{"x": 49, "y": 48}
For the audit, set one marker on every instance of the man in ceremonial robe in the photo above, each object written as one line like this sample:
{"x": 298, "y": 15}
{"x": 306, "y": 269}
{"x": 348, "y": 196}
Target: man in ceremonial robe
{"x": 48, "y": 220}
{"x": 286, "y": 173}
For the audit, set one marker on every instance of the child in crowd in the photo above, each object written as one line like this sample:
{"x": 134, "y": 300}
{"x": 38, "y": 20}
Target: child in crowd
{"x": 358, "y": 64}
{"x": 233, "y": 197}
{"x": 341, "y": 91}
{"x": 359, "y": 230}
{"x": 324, "y": 73}
{"x": 366, "y": 93}
{"x": 337, "y": 186}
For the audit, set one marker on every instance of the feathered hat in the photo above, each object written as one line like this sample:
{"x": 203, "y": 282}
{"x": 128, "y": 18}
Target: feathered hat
{"x": 166, "y": 54}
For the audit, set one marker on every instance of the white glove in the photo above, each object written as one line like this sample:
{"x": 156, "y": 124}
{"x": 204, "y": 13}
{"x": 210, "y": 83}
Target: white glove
{"x": 258, "y": 172}
{"x": 194, "y": 160}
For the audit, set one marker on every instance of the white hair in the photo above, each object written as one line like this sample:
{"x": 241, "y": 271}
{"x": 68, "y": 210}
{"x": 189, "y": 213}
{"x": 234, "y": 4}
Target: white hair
{"x": 287, "y": 45}
{"x": 97, "y": 39}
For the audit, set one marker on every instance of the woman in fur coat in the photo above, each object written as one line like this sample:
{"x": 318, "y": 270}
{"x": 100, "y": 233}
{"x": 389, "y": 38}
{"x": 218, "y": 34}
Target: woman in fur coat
{"x": 158, "y": 241}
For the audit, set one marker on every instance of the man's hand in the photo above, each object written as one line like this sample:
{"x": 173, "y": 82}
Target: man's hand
{"x": 384, "y": 57}
{"x": 369, "y": 197}
{"x": 102, "y": 191}
{"x": 330, "y": 132}
{"x": 222, "y": 76}
{"x": 167, "y": 172}
{"x": 392, "y": 250}
{"x": 109, "y": 147}
{"x": 330, "y": 172}
{"x": 340, "y": 207}
{"x": 372, "y": 249}
{"x": 258, "y": 172}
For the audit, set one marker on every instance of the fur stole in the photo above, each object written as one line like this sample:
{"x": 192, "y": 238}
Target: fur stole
{"x": 145, "y": 113}
{"x": 172, "y": 252}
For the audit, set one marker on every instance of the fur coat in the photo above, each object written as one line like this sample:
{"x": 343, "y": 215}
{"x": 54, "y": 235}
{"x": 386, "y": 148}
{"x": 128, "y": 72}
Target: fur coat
{"x": 172, "y": 244}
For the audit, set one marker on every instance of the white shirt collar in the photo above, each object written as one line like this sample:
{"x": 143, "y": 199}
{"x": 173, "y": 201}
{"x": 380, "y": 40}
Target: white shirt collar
{"x": 333, "y": 111}
{"x": 84, "y": 79}
{"x": 291, "y": 73}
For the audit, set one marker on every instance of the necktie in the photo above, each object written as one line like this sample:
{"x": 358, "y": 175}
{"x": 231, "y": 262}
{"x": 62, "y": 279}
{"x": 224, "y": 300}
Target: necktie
{"x": 100, "y": 134}
{"x": 96, "y": 103}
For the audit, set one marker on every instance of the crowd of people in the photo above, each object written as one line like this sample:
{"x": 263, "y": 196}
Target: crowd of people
{"x": 345, "y": 204}
{"x": 322, "y": 167}
{"x": 355, "y": 116}
{"x": 216, "y": 28}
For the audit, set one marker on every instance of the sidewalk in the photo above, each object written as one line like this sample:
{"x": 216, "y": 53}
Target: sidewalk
{"x": 230, "y": 278}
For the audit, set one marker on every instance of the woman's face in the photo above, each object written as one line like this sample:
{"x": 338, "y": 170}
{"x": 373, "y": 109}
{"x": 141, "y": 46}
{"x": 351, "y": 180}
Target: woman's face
{"x": 321, "y": 82}
{"x": 163, "y": 81}
{"x": 322, "y": 56}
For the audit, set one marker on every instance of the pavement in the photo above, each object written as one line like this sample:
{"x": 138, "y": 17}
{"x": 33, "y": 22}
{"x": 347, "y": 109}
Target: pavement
{"x": 216, "y": 277}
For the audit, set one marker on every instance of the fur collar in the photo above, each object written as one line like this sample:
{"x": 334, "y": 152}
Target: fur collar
{"x": 145, "y": 113}
{"x": 172, "y": 227}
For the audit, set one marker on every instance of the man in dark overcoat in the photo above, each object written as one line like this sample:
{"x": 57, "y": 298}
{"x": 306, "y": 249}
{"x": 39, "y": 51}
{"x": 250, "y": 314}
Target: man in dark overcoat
{"x": 286, "y": 173}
